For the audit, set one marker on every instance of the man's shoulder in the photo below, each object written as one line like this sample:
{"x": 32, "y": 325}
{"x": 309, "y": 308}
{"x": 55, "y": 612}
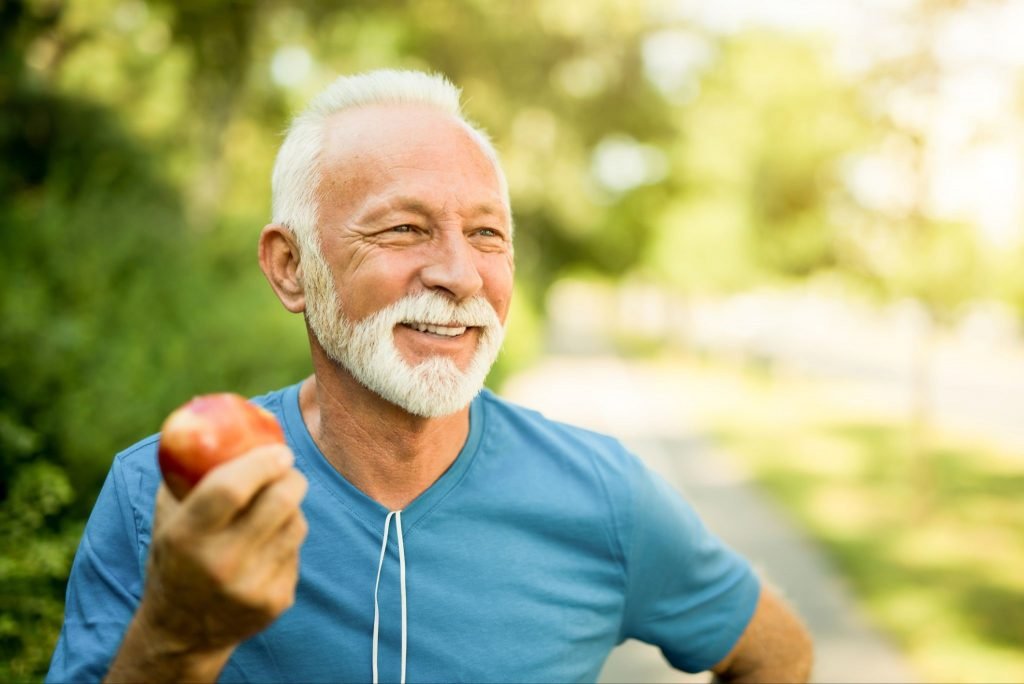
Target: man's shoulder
{"x": 139, "y": 459}
{"x": 527, "y": 418}
{"x": 274, "y": 400}
{"x": 517, "y": 422}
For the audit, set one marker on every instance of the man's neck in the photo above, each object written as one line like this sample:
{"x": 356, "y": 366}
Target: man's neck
{"x": 387, "y": 453}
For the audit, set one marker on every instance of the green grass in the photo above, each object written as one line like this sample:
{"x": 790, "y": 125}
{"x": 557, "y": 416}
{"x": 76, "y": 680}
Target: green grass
{"x": 927, "y": 527}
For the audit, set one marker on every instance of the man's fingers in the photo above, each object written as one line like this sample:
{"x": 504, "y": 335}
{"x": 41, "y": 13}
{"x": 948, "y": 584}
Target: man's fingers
{"x": 293, "y": 533}
{"x": 273, "y": 506}
{"x": 166, "y": 504}
{"x": 280, "y": 553}
{"x": 272, "y": 571}
{"x": 228, "y": 489}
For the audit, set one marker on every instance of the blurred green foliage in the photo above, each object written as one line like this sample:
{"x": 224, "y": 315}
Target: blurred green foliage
{"x": 763, "y": 175}
{"x": 137, "y": 140}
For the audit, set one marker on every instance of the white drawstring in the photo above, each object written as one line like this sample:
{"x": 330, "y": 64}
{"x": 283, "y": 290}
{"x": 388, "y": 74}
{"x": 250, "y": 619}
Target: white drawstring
{"x": 401, "y": 573}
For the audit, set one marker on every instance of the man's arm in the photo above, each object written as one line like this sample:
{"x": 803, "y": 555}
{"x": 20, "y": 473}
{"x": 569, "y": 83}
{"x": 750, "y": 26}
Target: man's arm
{"x": 222, "y": 566}
{"x": 775, "y": 646}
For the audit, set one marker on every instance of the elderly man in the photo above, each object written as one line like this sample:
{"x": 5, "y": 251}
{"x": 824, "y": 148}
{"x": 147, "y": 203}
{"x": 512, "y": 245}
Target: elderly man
{"x": 415, "y": 527}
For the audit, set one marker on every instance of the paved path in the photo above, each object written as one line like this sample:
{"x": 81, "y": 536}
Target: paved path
{"x": 649, "y": 415}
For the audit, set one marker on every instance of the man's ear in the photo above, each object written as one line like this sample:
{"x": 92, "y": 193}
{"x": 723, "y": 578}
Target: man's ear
{"x": 279, "y": 259}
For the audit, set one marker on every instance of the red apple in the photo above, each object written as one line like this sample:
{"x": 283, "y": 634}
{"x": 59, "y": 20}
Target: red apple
{"x": 208, "y": 431}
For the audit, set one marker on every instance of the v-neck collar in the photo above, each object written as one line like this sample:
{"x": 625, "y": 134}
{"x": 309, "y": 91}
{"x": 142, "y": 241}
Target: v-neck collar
{"x": 312, "y": 461}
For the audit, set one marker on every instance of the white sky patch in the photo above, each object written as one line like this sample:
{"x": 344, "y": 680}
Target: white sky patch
{"x": 620, "y": 163}
{"x": 996, "y": 168}
{"x": 673, "y": 60}
{"x": 978, "y": 97}
{"x": 291, "y": 66}
{"x": 989, "y": 34}
{"x": 883, "y": 181}
{"x": 731, "y": 16}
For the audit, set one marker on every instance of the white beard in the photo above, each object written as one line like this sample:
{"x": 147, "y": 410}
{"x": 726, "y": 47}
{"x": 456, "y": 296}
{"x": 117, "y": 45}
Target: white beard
{"x": 366, "y": 349}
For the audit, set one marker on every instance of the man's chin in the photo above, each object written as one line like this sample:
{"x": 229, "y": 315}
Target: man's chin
{"x": 453, "y": 370}
{"x": 433, "y": 388}
{"x": 434, "y": 405}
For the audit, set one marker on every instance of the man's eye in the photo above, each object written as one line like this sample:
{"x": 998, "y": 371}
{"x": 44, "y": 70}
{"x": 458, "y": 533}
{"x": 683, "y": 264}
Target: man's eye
{"x": 404, "y": 228}
{"x": 488, "y": 232}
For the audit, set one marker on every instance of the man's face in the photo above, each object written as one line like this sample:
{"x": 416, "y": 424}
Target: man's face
{"x": 412, "y": 288}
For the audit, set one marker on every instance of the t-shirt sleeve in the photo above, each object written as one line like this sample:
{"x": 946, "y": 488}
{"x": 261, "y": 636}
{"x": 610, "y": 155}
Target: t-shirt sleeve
{"x": 104, "y": 586}
{"x": 688, "y": 593}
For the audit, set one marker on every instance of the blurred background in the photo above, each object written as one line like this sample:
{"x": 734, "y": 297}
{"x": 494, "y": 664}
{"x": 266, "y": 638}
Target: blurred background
{"x": 791, "y": 229}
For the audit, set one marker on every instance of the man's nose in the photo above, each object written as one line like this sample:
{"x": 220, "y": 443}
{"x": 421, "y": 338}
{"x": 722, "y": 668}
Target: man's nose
{"x": 452, "y": 267}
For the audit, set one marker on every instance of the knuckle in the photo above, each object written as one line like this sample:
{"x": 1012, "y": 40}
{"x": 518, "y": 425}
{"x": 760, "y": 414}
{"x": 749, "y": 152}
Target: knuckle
{"x": 176, "y": 544}
{"x": 229, "y": 495}
{"x": 302, "y": 484}
{"x": 263, "y": 464}
{"x": 232, "y": 592}
{"x": 247, "y": 595}
{"x": 301, "y": 528}
{"x": 297, "y": 485}
{"x": 223, "y": 571}
{"x": 280, "y": 499}
{"x": 174, "y": 538}
{"x": 288, "y": 494}
{"x": 264, "y": 602}
{"x": 292, "y": 533}
{"x": 282, "y": 598}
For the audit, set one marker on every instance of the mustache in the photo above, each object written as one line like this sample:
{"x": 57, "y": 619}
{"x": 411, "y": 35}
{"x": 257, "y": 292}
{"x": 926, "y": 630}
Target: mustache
{"x": 435, "y": 309}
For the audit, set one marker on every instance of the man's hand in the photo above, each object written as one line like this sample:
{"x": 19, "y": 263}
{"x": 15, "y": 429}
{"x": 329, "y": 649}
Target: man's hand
{"x": 775, "y": 647}
{"x": 223, "y": 564}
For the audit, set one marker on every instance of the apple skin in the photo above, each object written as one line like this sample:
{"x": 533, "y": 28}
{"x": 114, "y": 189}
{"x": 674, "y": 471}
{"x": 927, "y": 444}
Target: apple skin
{"x": 207, "y": 431}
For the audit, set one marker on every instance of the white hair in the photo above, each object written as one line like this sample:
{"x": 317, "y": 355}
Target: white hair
{"x": 297, "y": 168}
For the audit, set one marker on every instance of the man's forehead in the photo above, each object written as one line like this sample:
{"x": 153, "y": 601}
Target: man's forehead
{"x": 362, "y": 131}
{"x": 378, "y": 149}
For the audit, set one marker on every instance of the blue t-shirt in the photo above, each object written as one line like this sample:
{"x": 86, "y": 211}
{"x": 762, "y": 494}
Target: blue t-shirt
{"x": 539, "y": 550}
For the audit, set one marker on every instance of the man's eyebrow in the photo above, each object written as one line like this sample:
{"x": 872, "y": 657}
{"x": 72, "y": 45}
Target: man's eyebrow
{"x": 417, "y": 206}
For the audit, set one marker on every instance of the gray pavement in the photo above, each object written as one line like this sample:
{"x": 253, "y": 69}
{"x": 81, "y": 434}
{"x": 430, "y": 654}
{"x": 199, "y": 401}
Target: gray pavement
{"x": 649, "y": 415}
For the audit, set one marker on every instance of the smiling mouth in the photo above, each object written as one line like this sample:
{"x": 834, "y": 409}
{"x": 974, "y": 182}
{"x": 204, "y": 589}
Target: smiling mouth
{"x": 440, "y": 330}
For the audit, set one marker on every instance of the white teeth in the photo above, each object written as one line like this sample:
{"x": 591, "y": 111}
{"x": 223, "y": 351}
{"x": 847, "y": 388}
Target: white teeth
{"x": 437, "y": 329}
